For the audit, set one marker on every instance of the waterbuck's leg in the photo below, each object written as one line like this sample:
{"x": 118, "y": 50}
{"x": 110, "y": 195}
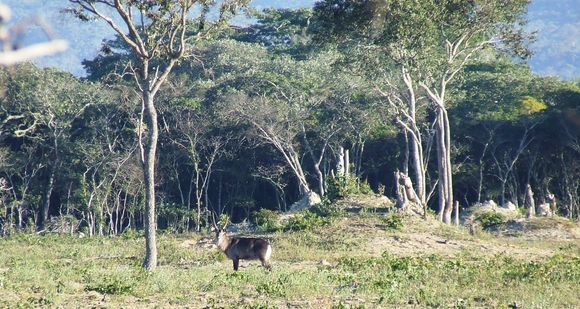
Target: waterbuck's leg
{"x": 236, "y": 263}
{"x": 266, "y": 264}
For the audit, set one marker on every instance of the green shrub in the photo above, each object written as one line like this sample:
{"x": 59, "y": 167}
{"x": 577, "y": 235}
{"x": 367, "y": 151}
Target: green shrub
{"x": 393, "y": 222}
{"x": 133, "y": 234}
{"x": 343, "y": 186}
{"x": 34, "y": 302}
{"x": 112, "y": 285}
{"x": 318, "y": 215}
{"x": 176, "y": 217}
{"x": 276, "y": 287}
{"x": 365, "y": 188}
{"x": 267, "y": 220}
{"x": 489, "y": 219}
{"x": 306, "y": 220}
{"x": 327, "y": 209}
{"x": 557, "y": 268}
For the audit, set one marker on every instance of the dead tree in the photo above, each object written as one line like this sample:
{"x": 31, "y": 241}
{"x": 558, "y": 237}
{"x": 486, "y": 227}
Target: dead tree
{"x": 530, "y": 204}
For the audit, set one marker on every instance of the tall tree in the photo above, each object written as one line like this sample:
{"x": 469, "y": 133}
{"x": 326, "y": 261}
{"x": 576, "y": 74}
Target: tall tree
{"x": 157, "y": 32}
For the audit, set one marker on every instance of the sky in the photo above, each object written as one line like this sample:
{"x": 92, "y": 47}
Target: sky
{"x": 557, "y": 49}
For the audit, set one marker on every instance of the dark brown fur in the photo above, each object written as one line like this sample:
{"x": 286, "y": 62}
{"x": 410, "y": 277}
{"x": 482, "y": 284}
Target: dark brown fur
{"x": 241, "y": 248}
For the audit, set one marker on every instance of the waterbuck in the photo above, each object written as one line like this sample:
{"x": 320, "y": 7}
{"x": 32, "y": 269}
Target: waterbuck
{"x": 244, "y": 248}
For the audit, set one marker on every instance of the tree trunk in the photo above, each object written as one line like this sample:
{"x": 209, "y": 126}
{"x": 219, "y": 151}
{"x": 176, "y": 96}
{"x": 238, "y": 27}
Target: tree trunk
{"x": 448, "y": 169}
{"x": 198, "y": 193}
{"x": 302, "y": 183}
{"x": 46, "y": 198}
{"x": 303, "y": 187}
{"x": 413, "y": 134}
{"x": 150, "y": 261}
{"x": 346, "y": 163}
{"x": 340, "y": 162}
{"x": 406, "y": 196}
{"x": 445, "y": 186}
{"x": 456, "y": 219}
{"x": 320, "y": 179}
{"x": 480, "y": 180}
{"x": 530, "y": 204}
{"x": 417, "y": 161}
{"x": 401, "y": 196}
{"x": 407, "y": 152}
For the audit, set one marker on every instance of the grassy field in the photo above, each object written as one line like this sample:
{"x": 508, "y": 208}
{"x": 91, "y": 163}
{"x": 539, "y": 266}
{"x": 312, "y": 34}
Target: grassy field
{"x": 360, "y": 260}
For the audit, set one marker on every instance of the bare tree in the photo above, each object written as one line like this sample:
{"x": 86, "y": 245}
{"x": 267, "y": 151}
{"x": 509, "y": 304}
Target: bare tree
{"x": 274, "y": 126}
{"x": 274, "y": 175}
{"x": 405, "y": 102}
{"x": 505, "y": 164}
{"x": 203, "y": 149}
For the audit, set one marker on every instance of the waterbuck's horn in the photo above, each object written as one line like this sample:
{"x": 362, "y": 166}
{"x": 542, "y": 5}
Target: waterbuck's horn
{"x": 214, "y": 222}
{"x": 226, "y": 221}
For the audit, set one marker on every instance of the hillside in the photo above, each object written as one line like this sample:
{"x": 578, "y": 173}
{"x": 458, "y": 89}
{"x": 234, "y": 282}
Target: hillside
{"x": 557, "y": 50}
{"x": 365, "y": 257}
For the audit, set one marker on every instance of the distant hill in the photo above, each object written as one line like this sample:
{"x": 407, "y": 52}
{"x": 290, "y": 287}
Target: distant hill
{"x": 557, "y": 50}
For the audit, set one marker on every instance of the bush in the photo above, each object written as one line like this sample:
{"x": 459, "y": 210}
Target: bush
{"x": 365, "y": 188}
{"x": 393, "y": 222}
{"x": 489, "y": 219}
{"x": 112, "y": 285}
{"x": 133, "y": 234}
{"x": 306, "y": 220}
{"x": 274, "y": 287}
{"x": 267, "y": 220}
{"x": 327, "y": 209}
{"x": 343, "y": 186}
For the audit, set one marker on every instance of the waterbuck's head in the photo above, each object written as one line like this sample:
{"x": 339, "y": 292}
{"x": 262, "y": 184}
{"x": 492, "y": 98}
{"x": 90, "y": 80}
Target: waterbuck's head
{"x": 221, "y": 238}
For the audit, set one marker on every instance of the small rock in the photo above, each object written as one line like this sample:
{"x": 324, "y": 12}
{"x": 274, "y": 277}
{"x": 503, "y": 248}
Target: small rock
{"x": 509, "y": 205}
{"x": 490, "y": 204}
{"x": 308, "y": 200}
{"x": 544, "y": 210}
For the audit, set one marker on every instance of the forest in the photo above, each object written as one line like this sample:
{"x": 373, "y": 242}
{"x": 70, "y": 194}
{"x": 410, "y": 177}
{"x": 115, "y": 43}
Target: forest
{"x": 254, "y": 117}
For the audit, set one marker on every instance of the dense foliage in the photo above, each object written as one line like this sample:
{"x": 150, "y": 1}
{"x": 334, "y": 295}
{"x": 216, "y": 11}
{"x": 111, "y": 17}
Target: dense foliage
{"x": 256, "y": 118}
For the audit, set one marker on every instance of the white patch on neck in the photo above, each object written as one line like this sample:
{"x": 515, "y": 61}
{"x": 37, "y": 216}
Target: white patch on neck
{"x": 223, "y": 241}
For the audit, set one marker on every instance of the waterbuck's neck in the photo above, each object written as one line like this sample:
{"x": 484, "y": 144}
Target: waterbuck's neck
{"x": 223, "y": 241}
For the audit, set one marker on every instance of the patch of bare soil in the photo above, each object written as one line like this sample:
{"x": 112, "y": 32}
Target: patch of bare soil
{"x": 424, "y": 244}
{"x": 366, "y": 202}
{"x": 519, "y": 238}
{"x": 547, "y": 228}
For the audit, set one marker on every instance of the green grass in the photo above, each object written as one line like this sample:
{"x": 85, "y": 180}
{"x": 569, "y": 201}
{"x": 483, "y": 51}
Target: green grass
{"x": 64, "y": 271}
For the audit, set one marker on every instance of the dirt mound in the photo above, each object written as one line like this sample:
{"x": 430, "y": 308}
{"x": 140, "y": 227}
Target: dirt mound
{"x": 366, "y": 202}
{"x": 425, "y": 237}
{"x": 468, "y": 216}
{"x": 556, "y": 228}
